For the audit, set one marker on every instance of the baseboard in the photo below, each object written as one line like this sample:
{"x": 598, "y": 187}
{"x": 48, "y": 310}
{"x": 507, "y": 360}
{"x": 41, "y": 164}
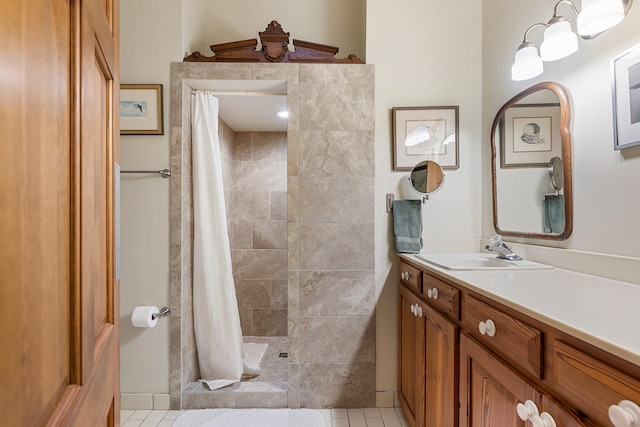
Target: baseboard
{"x": 149, "y": 401}
{"x": 385, "y": 399}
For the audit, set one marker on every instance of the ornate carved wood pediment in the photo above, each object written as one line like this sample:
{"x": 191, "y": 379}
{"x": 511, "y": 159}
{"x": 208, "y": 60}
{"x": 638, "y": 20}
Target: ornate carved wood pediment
{"x": 273, "y": 45}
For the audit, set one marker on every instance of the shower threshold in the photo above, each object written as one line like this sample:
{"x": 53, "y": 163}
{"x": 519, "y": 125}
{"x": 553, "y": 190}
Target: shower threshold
{"x": 267, "y": 390}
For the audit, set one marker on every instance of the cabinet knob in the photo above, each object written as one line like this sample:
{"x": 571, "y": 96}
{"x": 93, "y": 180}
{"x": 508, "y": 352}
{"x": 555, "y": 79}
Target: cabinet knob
{"x": 543, "y": 420}
{"x": 405, "y": 275}
{"x": 487, "y": 327}
{"x": 418, "y": 310}
{"x": 527, "y": 410}
{"x": 433, "y": 293}
{"x": 625, "y": 414}
{"x": 413, "y": 309}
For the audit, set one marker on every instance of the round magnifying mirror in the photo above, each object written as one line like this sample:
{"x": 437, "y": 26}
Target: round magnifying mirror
{"x": 426, "y": 177}
{"x": 556, "y": 173}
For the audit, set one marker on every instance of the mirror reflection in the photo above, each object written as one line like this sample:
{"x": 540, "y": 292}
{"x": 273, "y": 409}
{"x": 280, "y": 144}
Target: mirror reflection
{"x": 531, "y": 164}
{"x": 426, "y": 177}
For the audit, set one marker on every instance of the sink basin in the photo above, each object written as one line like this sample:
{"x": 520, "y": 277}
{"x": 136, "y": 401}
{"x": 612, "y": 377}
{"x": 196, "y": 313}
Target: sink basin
{"x": 479, "y": 261}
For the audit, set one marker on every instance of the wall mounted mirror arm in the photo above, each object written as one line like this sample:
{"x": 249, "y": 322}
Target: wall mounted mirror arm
{"x": 522, "y": 205}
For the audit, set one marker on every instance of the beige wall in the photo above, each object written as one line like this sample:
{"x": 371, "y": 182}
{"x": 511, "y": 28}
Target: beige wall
{"x": 150, "y": 40}
{"x": 426, "y": 53}
{"x": 338, "y": 23}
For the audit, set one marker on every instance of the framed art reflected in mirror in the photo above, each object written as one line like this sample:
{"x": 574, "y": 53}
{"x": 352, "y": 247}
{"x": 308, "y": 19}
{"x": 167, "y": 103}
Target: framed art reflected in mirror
{"x": 530, "y": 135}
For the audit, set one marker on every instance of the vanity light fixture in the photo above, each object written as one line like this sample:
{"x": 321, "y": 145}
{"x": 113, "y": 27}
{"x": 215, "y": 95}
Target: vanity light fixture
{"x": 599, "y": 15}
{"x": 528, "y": 63}
{"x": 559, "y": 39}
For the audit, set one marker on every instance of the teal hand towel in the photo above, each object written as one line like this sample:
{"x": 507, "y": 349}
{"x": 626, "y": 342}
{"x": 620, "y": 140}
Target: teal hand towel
{"x": 553, "y": 213}
{"x": 407, "y": 225}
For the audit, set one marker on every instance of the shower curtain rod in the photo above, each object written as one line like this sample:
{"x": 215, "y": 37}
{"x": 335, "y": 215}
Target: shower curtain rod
{"x": 246, "y": 92}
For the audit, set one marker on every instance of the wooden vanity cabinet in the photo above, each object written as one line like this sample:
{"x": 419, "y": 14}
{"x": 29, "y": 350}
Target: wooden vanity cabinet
{"x": 452, "y": 360}
{"x": 428, "y": 368}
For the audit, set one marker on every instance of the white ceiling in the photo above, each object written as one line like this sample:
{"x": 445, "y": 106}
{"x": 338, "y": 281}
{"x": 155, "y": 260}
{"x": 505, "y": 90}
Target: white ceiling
{"x": 249, "y": 105}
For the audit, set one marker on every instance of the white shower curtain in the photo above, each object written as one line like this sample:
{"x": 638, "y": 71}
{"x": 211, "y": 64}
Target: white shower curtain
{"x": 215, "y": 308}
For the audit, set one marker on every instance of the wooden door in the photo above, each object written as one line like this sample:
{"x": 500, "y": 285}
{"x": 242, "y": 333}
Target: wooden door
{"x": 411, "y": 372}
{"x": 441, "y": 370}
{"x": 58, "y": 144}
{"x": 489, "y": 391}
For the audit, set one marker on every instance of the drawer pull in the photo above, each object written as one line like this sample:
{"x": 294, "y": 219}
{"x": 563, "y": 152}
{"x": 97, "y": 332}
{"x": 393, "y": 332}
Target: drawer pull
{"x": 526, "y": 410}
{"x": 543, "y": 420}
{"x": 433, "y": 293}
{"x": 416, "y": 309}
{"x": 625, "y": 414}
{"x": 405, "y": 275}
{"x": 487, "y": 328}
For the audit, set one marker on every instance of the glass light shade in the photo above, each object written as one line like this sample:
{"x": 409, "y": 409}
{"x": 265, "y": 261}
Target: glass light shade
{"x": 527, "y": 64}
{"x": 597, "y": 16}
{"x": 559, "y": 41}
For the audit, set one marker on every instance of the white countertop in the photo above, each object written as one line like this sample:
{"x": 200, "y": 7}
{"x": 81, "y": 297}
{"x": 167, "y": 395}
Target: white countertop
{"x": 602, "y": 312}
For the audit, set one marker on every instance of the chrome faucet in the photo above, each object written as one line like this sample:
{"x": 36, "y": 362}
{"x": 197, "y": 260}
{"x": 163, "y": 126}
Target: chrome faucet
{"x": 503, "y": 251}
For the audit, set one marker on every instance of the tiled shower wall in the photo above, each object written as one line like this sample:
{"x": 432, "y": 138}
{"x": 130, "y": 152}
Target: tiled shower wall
{"x": 258, "y": 224}
{"x": 330, "y": 229}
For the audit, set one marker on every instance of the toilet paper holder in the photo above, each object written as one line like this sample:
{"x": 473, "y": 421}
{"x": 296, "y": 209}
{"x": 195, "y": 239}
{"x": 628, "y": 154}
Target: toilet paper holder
{"x": 164, "y": 312}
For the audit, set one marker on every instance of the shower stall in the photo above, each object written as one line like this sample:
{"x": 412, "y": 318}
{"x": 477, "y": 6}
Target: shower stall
{"x": 293, "y": 198}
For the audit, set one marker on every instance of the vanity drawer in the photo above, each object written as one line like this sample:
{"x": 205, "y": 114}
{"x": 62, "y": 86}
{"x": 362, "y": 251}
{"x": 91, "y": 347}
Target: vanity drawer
{"x": 411, "y": 276}
{"x": 512, "y": 339}
{"x": 443, "y": 296}
{"x": 590, "y": 385}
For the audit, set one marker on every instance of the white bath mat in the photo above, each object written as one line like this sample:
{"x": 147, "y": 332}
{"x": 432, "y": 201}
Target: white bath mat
{"x": 250, "y": 418}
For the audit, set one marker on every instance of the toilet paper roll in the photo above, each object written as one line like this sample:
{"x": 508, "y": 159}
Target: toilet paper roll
{"x": 142, "y": 316}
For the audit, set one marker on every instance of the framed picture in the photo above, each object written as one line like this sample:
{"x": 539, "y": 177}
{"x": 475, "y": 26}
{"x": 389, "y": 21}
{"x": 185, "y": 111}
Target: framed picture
{"x": 425, "y": 133}
{"x": 141, "y": 109}
{"x": 530, "y": 135}
{"x": 625, "y": 70}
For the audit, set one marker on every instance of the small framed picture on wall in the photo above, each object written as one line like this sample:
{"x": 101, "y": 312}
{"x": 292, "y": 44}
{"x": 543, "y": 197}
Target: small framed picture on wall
{"x": 425, "y": 133}
{"x": 141, "y": 109}
{"x": 625, "y": 70}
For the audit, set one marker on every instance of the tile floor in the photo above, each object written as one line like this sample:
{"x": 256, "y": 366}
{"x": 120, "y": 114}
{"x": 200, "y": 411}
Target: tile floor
{"x": 368, "y": 417}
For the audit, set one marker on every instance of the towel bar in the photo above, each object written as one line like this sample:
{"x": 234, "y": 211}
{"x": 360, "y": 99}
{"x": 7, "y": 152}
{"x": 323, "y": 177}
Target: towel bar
{"x": 165, "y": 173}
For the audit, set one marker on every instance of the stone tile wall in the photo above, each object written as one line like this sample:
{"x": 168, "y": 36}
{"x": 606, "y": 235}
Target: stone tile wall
{"x": 258, "y": 225}
{"x": 330, "y": 229}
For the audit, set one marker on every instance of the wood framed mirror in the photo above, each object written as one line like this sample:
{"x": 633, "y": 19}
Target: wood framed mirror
{"x": 530, "y": 143}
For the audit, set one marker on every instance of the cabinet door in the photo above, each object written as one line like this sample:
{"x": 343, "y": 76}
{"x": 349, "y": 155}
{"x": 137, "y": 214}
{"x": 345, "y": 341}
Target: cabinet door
{"x": 489, "y": 391}
{"x": 561, "y": 416}
{"x": 441, "y": 370}
{"x": 410, "y": 357}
